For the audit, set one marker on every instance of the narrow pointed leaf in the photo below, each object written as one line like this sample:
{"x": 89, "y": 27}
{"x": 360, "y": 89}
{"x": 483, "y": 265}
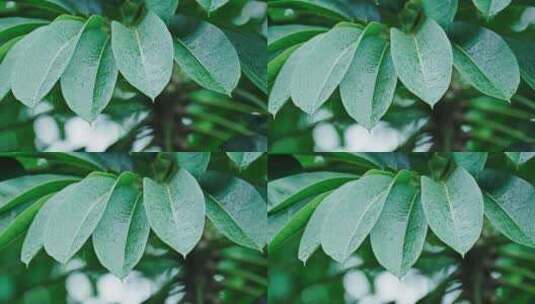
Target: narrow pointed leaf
{"x": 85, "y": 203}
{"x": 165, "y": 9}
{"x": 42, "y": 63}
{"x": 294, "y": 222}
{"x": 423, "y": 60}
{"x": 351, "y": 219}
{"x": 176, "y": 210}
{"x": 16, "y": 191}
{"x": 399, "y": 235}
{"x": 281, "y": 90}
{"x": 311, "y": 239}
{"x": 34, "y": 240}
{"x": 490, "y": 8}
{"x": 454, "y": 209}
{"x": 244, "y": 159}
{"x": 495, "y": 78}
{"x": 212, "y": 5}
{"x": 11, "y": 27}
{"x": 285, "y": 191}
{"x": 209, "y": 58}
{"x": 473, "y": 162}
{"x": 317, "y": 75}
{"x": 144, "y": 54}
{"x": 442, "y": 11}
{"x": 520, "y": 158}
{"x": 14, "y": 222}
{"x": 509, "y": 206}
{"x": 237, "y": 210}
{"x": 284, "y": 36}
{"x": 368, "y": 88}
{"x": 121, "y": 235}
{"x": 88, "y": 82}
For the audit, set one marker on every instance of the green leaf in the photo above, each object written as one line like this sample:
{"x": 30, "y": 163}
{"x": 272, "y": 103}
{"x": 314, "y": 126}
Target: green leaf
{"x": 454, "y": 209}
{"x": 317, "y": 74}
{"x": 176, "y": 210}
{"x": 523, "y": 51}
{"x": 490, "y": 8}
{"x": 398, "y": 237}
{"x": 442, "y": 11}
{"x": 34, "y": 240}
{"x": 84, "y": 203}
{"x": 42, "y": 63}
{"x": 280, "y": 92}
{"x": 11, "y": 27}
{"x": 285, "y": 191}
{"x": 253, "y": 57}
{"x": 244, "y": 159}
{"x": 55, "y": 5}
{"x": 195, "y": 162}
{"x": 423, "y": 60}
{"x": 237, "y": 210}
{"x": 14, "y": 223}
{"x": 473, "y": 162}
{"x": 144, "y": 54}
{"x": 368, "y": 88}
{"x": 122, "y": 233}
{"x": 509, "y": 206}
{"x": 6, "y": 68}
{"x": 496, "y": 78}
{"x": 16, "y": 191}
{"x": 330, "y": 8}
{"x": 295, "y": 221}
{"x": 88, "y": 82}
{"x": 277, "y": 61}
{"x": 165, "y": 9}
{"x": 212, "y": 5}
{"x": 311, "y": 239}
{"x": 209, "y": 58}
{"x": 352, "y": 218}
{"x": 520, "y": 158}
{"x": 285, "y": 36}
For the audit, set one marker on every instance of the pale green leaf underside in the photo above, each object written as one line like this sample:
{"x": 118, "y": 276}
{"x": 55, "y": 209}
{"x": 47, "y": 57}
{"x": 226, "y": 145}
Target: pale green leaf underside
{"x": 509, "y": 207}
{"x": 88, "y": 82}
{"x": 475, "y": 55}
{"x": 368, "y": 88}
{"x": 85, "y": 203}
{"x": 43, "y": 61}
{"x": 490, "y": 8}
{"x": 454, "y": 209}
{"x": 280, "y": 92}
{"x": 144, "y": 54}
{"x": 239, "y": 212}
{"x": 176, "y": 210}
{"x": 423, "y": 60}
{"x": 195, "y": 162}
{"x": 473, "y": 162}
{"x": 209, "y": 58}
{"x": 284, "y": 36}
{"x": 319, "y": 73}
{"x": 212, "y": 5}
{"x": 121, "y": 235}
{"x": 359, "y": 203}
{"x": 34, "y": 240}
{"x": 398, "y": 236}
